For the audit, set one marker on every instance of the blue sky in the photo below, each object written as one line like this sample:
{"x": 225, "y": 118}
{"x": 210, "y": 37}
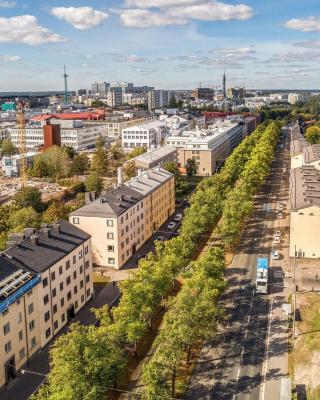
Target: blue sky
{"x": 163, "y": 43}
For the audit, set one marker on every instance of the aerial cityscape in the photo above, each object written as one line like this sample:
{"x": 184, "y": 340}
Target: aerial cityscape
{"x": 159, "y": 200}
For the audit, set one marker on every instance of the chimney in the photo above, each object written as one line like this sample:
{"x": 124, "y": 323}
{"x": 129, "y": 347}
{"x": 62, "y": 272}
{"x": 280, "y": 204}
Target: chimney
{"x": 119, "y": 171}
{"x": 139, "y": 171}
{"x": 28, "y": 232}
{"x": 10, "y": 244}
{"x": 56, "y": 228}
{"x": 45, "y": 233}
{"x": 34, "y": 240}
{"x": 16, "y": 237}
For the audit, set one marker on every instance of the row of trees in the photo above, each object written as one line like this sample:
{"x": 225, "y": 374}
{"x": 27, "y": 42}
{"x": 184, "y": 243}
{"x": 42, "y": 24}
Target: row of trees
{"x": 152, "y": 283}
{"x": 313, "y": 134}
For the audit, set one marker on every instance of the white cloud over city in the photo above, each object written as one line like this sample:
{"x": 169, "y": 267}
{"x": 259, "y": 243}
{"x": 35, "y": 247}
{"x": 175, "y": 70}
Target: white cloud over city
{"x": 310, "y": 24}
{"x": 82, "y": 18}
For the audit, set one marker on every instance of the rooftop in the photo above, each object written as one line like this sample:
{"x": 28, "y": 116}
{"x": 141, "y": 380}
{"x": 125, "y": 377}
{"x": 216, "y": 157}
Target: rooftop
{"x": 304, "y": 187}
{"x": 154, "y": 154}
{"x": 39, "y": 251}
{"x": 148, "y": 125}
{"x": 311, "y": 153}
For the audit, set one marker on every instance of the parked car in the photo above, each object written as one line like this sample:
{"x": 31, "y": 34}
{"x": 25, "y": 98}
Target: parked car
{"x": 277, "y": 240}
{"x": 279, "y": 215}
{"x": 280, "y": 207}
{"x": 277, "y": 234}
{"x": 275, "y": 255}
{"x": 161, "y": 238}
{"x": 171, "y": 225}
{"x": 178, "y": 218}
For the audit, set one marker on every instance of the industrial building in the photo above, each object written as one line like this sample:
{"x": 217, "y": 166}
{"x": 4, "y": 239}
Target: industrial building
{"x": 122, "y": 219}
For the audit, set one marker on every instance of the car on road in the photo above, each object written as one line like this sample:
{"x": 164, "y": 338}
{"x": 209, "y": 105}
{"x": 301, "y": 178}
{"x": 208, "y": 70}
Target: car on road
{"x": 171, "y": 225}
{"x": 277, "y": 240}
{"x": 178, "y": 218}
{"x": 277, "y": 234}
{"x": 280, "y": 207}
{"x": 279, "y": 215}
{"x": 275, "y": 255}
{"x": 161, "y": 238}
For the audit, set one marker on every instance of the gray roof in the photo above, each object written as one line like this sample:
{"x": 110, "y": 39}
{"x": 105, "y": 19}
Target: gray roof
{"x": 115, "y": 202}
{"x": 112, "y": 203}
{"x": 305, "y": 187}
{"x": 311, "y": 153}
{"x": 298, "y": 145}
{"x": 49, "y": 245}
{"x": 7, "y": 267}
{"x": 154, "y": 155}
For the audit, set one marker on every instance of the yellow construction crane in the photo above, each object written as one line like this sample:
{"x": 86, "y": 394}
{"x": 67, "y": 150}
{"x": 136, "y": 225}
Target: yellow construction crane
{"x": 22, "y": 140}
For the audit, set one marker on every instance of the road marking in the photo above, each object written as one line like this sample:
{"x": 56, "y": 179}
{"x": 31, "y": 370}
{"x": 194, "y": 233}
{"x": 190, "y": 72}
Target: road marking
{"x": 246, "y": 333}
{"x": 238, "y": 373}
{"x": 266, "y": 354}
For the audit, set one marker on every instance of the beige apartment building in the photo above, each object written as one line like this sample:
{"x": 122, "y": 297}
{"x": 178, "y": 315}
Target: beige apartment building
{"x": 305, "y": 212}
{"x": 123, "y": 218}
{"x": 50, "y": 272}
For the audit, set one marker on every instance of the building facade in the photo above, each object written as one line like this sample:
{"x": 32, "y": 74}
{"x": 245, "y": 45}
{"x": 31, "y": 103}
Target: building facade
{"x": 56, "y": 266}
{"x": 147, "y": 135}
{"x": 155, "y": 158}
{"x": 122, "y": 219}
{"x": 158, "y": 99}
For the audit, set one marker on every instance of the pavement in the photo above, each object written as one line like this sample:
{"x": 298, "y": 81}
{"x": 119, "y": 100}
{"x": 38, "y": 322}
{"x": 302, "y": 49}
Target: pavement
{"x": 249, "y": 354}
{"x": 25, "y": 385}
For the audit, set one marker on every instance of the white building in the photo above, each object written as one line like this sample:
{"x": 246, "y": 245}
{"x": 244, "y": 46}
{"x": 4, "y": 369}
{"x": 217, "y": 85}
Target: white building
{"x": 10, "y": 165}
{"x": 158, "y": 99}
{"x": 257, "y": 102}
{"x": 4, "y": 134}
{"x": 147, "y": 135}
{"x": 114, "y": 98}
{"x": 294, "y": 98}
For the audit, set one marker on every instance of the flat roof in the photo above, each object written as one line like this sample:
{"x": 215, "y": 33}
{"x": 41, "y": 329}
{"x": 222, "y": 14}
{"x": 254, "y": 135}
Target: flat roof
{"x": 304, "y": 187}
{"x": 153, "y": 155}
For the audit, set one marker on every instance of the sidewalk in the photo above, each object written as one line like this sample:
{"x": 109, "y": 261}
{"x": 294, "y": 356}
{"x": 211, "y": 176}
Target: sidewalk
{"x": 25, "y": 385}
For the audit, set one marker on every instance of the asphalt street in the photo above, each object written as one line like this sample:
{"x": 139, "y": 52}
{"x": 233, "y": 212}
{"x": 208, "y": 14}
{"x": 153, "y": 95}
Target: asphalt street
{"x": 236, "y": 365}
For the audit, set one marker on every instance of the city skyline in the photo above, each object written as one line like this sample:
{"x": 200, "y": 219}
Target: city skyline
{"x": 162, "y": 43}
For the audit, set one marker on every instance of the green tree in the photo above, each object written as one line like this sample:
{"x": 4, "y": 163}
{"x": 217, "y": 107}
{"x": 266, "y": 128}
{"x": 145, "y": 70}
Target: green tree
{"x": 173, "y": 102}
{"x": 40, "y": 168}
{"x": 24, "y": 218}
{"x": 29, "y": 197}
{"x": 54, "y": 162}
{"x": 70, "y": 151}
{"x": 172, "y": 167}
{"x": 313, "y": 134}
{"x": 137, "y": 151}
{"x": 94, "y": 183}
{"x": 116, "y": 152}
{"x": 130, "y": 169}
{"x": 55, "y": 212}
{"x": 97, "y": 104}
{"x": 100, "y": 161}
{"x": 191, "y": 167}
{"x": 80, "y": 164}
{"x": 7, "y": 148}
{"x": 100, "y": 142}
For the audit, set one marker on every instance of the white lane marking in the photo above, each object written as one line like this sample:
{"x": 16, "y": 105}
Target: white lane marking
{"x": 238, "y": 374}
{"x": 266, "y": 355}
{"x": 246, "y": 334}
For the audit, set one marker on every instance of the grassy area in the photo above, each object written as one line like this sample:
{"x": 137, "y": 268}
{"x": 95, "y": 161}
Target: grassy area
{"x": 305, "y": 359}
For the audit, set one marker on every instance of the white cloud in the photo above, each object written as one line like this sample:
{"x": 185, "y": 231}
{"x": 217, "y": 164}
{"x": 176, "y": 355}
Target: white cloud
{"x": 133, "y": 58}
{"x": 310, "y": 44}
{"x": 26, "y": 29}
{"x": 8, "y": 58}
{"x": 160, "y": 3}
{"x": 240, "y": 53}
{"x": 82, "y": 18}
{"x": 136, "y": 18}
{"x": 7, "y": 3}
{"x": 212, "y": 11}
{"x": 293, "y": 57}
{"x": 305, "y": 24}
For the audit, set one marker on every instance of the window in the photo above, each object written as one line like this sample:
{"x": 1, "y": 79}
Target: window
{"x": 86, "y": 250}
{"x": 48, "y": 333}
{"x": 68, "y": 264}
{"x": 81, "y": 269}
{"x": 62, "y": 302}
{"x": 87, "y": 264}
{"x": 46, "y": 299}
{"x": 32, "y": 325}
{"x": 63, "y": 317}
{"x": 76, "y": 304}
{"x": 6, "y": 328}
{"x": 75, "y": 289}
{"x": 75, "y": 221}
{"x": 74, "y": 274}
{"x": 30, "y": 308}
{"x": 121, "y": 221}
{"x": 82, "y": 298}
{"x": 68, "y": 280}
{"x": 81, "y": 284}
{"x": 22, "y": 353}
{"x": 122, "y": 257}
{"x": 7, "y": 347}
{"x": 60, "y": 270}
{"x": 127, "y": 228}
{"x": 74, "y": 259}
{"x": 20, "y": 336}
{"x": 47, "y": 316}
{"x": 55, "y": 325}
{"x": 54, "y": 292}
{"x": 87, "y": 278}
{"x": 109, "y": 222}
{"x": 61, "y": 286}
{"x": 110, "y": 235}
{"x": 68, "y": 295}
{"x": 53, "y": 276}
{"x": 127, "y": 240}
{"x": 54, "y": 309}
{"x": 45, "y": 282}
{"x": 110, "y": 248}
{"x": 19, "y": 317}
{"x": 88, "y": 292}
{"x": 34, "y": 342}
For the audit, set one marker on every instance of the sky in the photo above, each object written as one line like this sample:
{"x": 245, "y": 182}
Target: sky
{"x": 169, "y": 44}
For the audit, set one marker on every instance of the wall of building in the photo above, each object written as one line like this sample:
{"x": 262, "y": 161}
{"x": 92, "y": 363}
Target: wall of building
{"x": 306, "y": 240}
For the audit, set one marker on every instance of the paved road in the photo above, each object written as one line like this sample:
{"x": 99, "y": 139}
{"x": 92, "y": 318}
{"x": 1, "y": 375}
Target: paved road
{"x": 248, "y": 357}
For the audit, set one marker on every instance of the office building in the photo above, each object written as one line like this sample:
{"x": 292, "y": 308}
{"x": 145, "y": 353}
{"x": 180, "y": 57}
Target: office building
{"x": 203, "y": 94}
{"x": 114, "y": 98}
{"x": 236, "y": 93}
{"x": 147, "y": 135}
{"x": 158, "y": 99}
{"x": 294, "y": 98}
{"x": 122, "y": 219}
{"x": 45, "y": 279}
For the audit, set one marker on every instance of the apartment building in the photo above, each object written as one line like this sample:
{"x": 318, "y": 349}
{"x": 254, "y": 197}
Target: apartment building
{"x": 122, "y": 219}
{"x": 305, "y": 212}
{"x": 52, "y": 281}
{"x": 208, "y": 147}
{"x": 19, "y": 317}
{"x": 115, "y": 125}
{"x": 146, "y": 135}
